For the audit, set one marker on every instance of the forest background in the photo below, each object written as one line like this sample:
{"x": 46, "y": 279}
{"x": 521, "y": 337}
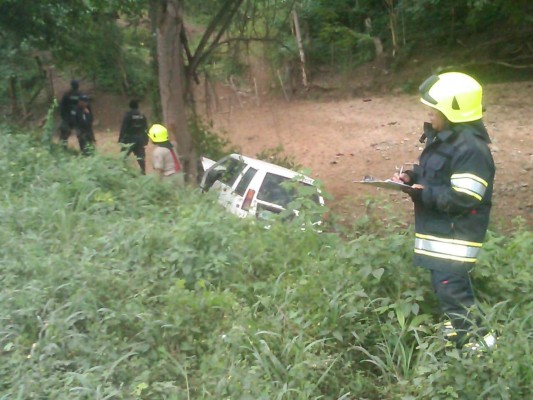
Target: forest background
{"x": 118, "y": 293}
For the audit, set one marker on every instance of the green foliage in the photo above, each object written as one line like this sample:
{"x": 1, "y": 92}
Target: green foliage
{"x": 49, "y": 126}
{"x": 122, "y": 65}
{"x": 276, "y": 155}
{"x": 116, "y": 285}
{"x": 208, "y": 142}
{"x": 109, "y": 41}
{"x": 342, "y": 45}
{"x": 138, "y": 77}
{"x": 86, "y": 37}
{"x": 18, "y": 62}
{"x": 337, "y": 31}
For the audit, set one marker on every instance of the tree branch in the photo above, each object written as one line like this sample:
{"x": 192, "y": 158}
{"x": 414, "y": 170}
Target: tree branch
{"x": 185, "y": 43}
{"x": 214, "y": 43}
{"x": 506, "y": 64}
{"x": 497, "y": 62}
{"x": 211, "y": 28}
{"x": 517, "y": 37}
{"x": 254, "y": 39}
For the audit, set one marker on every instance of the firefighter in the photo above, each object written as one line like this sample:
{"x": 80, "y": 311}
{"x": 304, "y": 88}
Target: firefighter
{"x": 133, "y": 134}
{"x": 164, "y": 159}
{"x": 451, "y": 188}
{"x": 67, "y": 109}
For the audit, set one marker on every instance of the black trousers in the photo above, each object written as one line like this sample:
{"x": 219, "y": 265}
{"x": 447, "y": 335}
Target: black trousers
{"x": 138, "y": 150}
{"x": 86, "y": 140}
{"x": 456, "y": 297}
{"x": 65, "y": 129}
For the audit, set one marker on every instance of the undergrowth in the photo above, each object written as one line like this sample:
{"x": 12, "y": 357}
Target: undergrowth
{"x": 118, "y": 286}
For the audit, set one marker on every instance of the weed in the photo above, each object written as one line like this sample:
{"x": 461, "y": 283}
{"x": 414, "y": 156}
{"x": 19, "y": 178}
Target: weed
{"x": 116, "y": 285}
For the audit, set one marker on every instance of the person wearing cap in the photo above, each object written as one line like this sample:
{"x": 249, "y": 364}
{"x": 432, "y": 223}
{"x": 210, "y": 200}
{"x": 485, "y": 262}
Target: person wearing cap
{"x": 84, "y": 125}
{"x": 67, "y": 110}
{"x": 164, "y": 159}
{"x": 133, "y": 134}
{"x": 451, "y": 188}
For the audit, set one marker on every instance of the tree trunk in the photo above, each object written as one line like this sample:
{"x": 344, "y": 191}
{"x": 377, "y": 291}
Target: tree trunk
{"x": 296, "y": 23}
{"x": 155, "y": 95}
{"x": 173, "y": 81}
{"x": 392, "y": 25}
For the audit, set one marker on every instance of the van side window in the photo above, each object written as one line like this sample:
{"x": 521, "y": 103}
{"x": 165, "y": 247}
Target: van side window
{"x": 233, "y": 168}
{"x": 281, "y": 191}
{"x": 245, "y": 181}
{"x": 271, "y": 190}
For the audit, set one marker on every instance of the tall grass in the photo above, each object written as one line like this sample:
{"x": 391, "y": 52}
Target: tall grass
{"x": 117, "y": 286}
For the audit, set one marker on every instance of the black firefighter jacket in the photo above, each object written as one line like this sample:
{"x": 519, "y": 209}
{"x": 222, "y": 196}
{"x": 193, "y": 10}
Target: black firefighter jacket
{"x": 134, "y": 128}
{"x": 452, "y": 212}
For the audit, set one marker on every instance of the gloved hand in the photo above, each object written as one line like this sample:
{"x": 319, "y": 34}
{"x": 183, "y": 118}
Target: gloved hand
{"x": 415, "y": 192}
{"x": 416, "y": 195}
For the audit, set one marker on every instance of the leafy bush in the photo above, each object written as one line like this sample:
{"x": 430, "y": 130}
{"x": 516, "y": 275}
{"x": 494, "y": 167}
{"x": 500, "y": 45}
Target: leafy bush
{"x": 344, "y": 46}
{"x": 210, "y": 143}
{"x": 276, "y": 155}
{"x": 139, "y": 75}
{"x": 20, "y": 71}
{"x": 116, "y": 285}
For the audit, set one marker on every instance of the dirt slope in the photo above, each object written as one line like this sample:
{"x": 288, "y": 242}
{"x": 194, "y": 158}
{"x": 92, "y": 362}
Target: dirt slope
{"x": 341, "y": 141}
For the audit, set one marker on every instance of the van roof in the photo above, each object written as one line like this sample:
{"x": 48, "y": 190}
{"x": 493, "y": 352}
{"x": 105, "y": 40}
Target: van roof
{"x": 266, "y": 166}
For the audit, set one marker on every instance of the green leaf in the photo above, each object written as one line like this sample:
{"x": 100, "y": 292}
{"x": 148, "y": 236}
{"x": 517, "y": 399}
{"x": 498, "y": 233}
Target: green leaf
{"x": 378, "y": 273}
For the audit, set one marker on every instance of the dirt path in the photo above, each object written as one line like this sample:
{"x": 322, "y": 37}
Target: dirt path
{"x": 341, "y": 141}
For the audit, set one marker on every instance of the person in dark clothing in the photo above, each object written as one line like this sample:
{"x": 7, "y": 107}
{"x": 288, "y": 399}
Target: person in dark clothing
{"x": 133, "y": 136}
{"x": 84, "y": 125}
{"x": 67, "y": 109}
{"x": 452, "y": 193}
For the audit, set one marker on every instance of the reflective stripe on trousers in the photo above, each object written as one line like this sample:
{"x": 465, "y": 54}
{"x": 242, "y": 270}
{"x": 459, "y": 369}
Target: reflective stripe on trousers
{"x": 451, "y": 249}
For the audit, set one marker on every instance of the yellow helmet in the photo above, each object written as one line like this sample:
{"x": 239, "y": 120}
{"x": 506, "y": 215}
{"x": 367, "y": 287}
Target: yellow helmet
{"x": 158, "y": 133}
{"x": 456, "y": 95}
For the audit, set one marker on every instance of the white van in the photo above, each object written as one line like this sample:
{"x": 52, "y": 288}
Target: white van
{"x": 248, "y": 187}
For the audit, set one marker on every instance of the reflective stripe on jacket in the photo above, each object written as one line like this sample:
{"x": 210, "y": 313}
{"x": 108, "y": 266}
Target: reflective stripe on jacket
{"x": 451, "y": 219}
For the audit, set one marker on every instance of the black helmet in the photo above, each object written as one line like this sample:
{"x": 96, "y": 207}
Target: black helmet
{"x": 74, "y": 84}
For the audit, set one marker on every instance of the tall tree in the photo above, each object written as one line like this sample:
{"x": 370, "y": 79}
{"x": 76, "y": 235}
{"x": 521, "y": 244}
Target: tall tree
{"x": 175, "y": 75}
{"x": 172, "y": 77}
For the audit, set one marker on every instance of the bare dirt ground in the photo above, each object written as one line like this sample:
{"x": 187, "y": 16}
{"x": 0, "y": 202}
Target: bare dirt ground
{"x": 342, "y": 140}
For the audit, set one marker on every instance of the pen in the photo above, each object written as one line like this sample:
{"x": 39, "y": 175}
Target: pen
{"x": 400, "y": 173}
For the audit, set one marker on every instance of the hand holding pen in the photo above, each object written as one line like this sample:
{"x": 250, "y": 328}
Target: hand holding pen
{"x": 400, "y": 177}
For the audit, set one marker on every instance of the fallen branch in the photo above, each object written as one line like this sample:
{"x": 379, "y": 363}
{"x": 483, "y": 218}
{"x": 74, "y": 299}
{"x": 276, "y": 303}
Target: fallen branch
{"x": 506, "y": 64}
{"x": 497, "y": 62}
{"x": 515, "y": 37}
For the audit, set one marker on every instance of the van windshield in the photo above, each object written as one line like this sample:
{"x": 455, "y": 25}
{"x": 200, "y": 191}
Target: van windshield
{"x": 273, "y": 190}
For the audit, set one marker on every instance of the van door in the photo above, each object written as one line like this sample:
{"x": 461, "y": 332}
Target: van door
{"x": 227, "y": 179}
{"x": 244, "y": 194}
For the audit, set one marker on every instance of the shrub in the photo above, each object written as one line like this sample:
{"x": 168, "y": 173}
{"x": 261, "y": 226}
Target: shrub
{"x": 209, "y": 143}
{"x": 276, "y": 155}
{"x": 116, "y": 285}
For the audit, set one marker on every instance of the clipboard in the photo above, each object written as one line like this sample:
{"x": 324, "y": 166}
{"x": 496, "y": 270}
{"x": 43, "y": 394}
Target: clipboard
{"x": 386, "y": 184}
